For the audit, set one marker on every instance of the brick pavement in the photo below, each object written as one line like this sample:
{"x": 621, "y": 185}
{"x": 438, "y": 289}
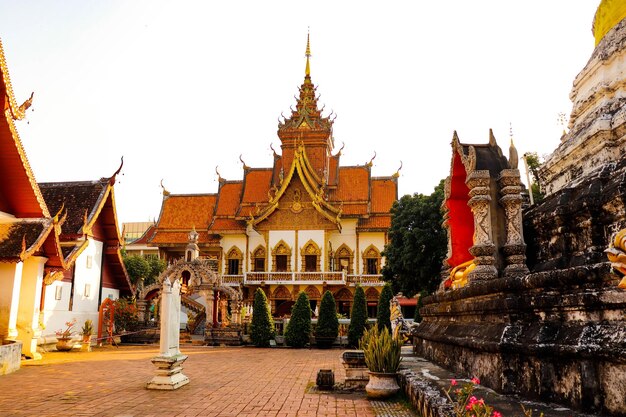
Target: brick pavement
{"x": 225, "y": 382}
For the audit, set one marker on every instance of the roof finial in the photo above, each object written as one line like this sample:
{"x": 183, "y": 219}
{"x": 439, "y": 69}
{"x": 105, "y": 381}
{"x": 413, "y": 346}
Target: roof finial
{"x": 511, "y": 132}
{"x": 307, "y": 70}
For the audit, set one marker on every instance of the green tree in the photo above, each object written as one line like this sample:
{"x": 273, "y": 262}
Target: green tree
{"x": 299, "y": 328}
{"x": 534, "y": 163}
{"x": 358, "y": 317}
{"x": 327, "y": 324}
{"x": 262, "y": 326}
{"x": 156, "y": 267}
{"x": 383, "y": 316}
{"x": 417, "y": 243}
{"x": 137, "y": 268}
{"x": 420, "y": 303}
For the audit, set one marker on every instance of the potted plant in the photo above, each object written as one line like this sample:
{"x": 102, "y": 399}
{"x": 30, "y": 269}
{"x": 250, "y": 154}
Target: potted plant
{"x": 382, "y": 356}
{"x": 64, "y": 337}
{"x": 86, "y": 333}
{"x": 327, "y": 328}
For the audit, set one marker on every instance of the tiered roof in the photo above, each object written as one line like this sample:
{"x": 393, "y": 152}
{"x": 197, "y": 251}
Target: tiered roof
{"x": 88, "y": 208}
{"x": 335, "y": 192}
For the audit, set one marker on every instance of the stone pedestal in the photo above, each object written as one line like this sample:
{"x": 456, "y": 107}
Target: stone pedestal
{"x": 357, "y": 374}
{"x": 169, "y": 374}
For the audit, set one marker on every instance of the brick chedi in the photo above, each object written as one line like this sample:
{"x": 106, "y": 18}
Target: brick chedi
{"x": 558, "y": 333}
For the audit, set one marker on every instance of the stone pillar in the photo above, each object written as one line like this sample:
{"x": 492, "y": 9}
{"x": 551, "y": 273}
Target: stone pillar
{"x": 235, "y": 308}
{"x": 208, "y": 299}
{"x": 141, "y": 310}
{"x": 515, "y": 248}
{"x": 169, "y": 374}
{"x": 484, "y": 249}
{"x": 216, "y": 300}
{"x": 11, "y": 283}
{"x": 224, "y": 312}
{"x": 28, "y": 311}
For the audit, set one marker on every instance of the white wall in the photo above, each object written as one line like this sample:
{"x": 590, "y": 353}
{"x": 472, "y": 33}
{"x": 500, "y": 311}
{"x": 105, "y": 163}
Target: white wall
{"x": 316, "y": 236}
{"x": 228, "y": 241}
{"x": 87, "y": 274}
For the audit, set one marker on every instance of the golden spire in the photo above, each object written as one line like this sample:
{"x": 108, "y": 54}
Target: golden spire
{"x": 307, "y": 70}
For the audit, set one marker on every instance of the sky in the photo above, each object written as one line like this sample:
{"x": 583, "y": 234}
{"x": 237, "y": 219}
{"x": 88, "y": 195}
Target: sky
{"x": 180, "y": 87}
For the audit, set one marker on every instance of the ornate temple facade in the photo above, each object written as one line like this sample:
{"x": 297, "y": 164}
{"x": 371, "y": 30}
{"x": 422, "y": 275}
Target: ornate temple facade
{"x": 305, "y": 223}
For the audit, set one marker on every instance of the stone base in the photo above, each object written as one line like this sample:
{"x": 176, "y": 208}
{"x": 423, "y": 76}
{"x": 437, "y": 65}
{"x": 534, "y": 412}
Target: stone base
{"x": 557, "y": 336}
{"x": 10, "y": 356}
{"x": 169, "y": 374}
{"x": 228, "y": 336}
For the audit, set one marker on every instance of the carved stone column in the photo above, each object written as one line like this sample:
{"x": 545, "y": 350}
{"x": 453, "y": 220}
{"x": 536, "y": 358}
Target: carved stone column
{"x": 515, "y": 248}
{"x": 208, "y": 299}
{"x": 141, "y": 310}
{"x": 484, "y": 248}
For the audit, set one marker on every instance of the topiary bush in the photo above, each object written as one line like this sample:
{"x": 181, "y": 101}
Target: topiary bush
{"x": 299, "y": 328}
{"x": 383, "y": 316}
{"x": 358, "y": 317}
{"x": 327, "y": 328}
{"x": 262, "y": 326}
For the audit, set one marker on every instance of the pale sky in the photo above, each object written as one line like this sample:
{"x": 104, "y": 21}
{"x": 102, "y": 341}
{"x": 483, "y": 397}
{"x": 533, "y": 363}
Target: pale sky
{"x": 179, "y": 87}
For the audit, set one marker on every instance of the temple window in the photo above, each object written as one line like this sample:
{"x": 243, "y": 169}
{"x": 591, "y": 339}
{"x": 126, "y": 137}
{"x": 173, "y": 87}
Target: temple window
{"x": 281, "y": 263}
{"x": 259, "y": 264}
{"x": 258, "y": 259}
{"x": 311, "y": 254}
{"x": 281, "y": 257}
{"x": 344, "y": 259}
{"x": 310, "y": 262}
{"x": 233, "y": 266}
{"x": 371, "y": 260}
{"x": 234, "y": 261}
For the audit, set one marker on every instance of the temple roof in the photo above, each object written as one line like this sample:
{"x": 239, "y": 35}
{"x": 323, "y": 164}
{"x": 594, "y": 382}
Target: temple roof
{"x": 306, "y": 165}
{"x": 22, "y": 238}
{"x": 19, "y": 193}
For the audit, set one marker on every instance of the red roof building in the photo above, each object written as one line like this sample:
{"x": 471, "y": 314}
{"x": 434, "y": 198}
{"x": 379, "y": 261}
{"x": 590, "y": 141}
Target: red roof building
{"x": 306, "y": 223}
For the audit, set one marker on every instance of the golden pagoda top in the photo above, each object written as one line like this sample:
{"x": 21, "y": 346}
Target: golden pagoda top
{"x": 608, "y": 14}
{"x": 307, "y": 70}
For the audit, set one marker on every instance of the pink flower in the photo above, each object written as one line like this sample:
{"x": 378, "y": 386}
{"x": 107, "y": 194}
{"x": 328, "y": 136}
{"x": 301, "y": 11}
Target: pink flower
{"x": 475, "y": 381}
{"x": 453, "y": 382}
{"x": 496, "y": 414}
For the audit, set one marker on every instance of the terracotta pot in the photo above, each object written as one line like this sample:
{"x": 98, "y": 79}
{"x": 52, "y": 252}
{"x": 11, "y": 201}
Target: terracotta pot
{"x": 381, "y": 385}
{"x": 64, "y": 344}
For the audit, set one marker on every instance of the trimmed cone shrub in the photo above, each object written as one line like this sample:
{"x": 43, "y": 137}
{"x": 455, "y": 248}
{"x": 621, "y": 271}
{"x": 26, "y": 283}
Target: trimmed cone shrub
{"x": 328, "y": 323}
{"x": 358, "y": 317}
{"x": 262, "y": 326}
{"x": 383, "y": 316}
{"x": 299, "y": 328}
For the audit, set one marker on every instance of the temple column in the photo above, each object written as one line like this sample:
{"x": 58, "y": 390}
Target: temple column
{"x": 11, "y": 283}
{"x": 484, "y": 249}
{"x": 28, "y": 311}
{"x": 235, "y": 308}
{"x": 515, "y": 248}
{"x": 208, "y": 299}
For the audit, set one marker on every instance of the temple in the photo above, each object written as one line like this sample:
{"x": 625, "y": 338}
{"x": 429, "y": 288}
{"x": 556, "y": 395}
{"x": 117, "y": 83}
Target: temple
{"x": 305, "y": 223}
{"x": 59, "y": 244}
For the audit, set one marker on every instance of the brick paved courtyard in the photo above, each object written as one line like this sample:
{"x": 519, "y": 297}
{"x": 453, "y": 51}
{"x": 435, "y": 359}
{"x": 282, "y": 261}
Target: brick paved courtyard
{"x": 240, "y": 381}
